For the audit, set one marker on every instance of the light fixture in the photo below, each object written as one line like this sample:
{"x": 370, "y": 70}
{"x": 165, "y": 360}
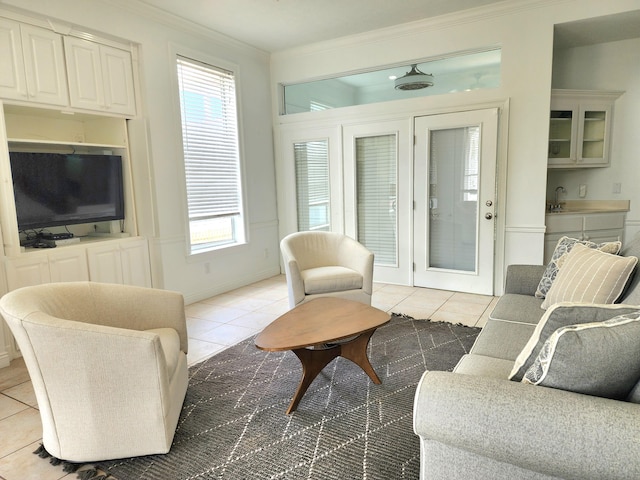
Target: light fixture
{"x": 414, "y": 80}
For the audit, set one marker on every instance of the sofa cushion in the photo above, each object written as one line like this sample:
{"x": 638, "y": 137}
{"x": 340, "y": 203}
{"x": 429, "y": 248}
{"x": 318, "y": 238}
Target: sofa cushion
{"x": 330, "y": 279}
{"x": 502, "y": 339}
{"x": 518, "y": 308}
{"x": 483, "y": 366}
{"x": 590, "y": 276}
{"x": 600, "y": 358}
{"x": 563, "y": 247}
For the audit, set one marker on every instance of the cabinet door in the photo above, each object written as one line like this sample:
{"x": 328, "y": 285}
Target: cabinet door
{"x": 117, "y": 72}
{"x": 135, "y": 263}
{"x": 593, "y": 135}
{"x": 27, "y": 270}
{"x": 105, "y": 264}
{"x": 100, "y": 77}
{"x": 563, "y": 127}
{"x": 84, "y": 68}
{"x": 13, "y": 83}
{"x": 68, "y": 265}
{"x": 44, "y": 65}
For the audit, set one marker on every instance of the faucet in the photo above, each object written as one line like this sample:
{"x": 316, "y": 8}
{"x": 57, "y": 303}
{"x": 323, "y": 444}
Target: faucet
{"x": 556, "y": 207}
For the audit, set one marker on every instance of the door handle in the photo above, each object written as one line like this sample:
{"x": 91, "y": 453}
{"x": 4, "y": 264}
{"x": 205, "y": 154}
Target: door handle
{"x": 488, "y": 216}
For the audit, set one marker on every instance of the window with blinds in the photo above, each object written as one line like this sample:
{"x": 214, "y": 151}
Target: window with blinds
{"x": 376, "y": 171}
{"x": 312, "y": 184}
{"x": 211, "y": 155}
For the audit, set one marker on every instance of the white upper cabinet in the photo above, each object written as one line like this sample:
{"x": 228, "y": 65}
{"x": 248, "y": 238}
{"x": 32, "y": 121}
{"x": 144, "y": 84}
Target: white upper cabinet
{"x": 32, "y": 66}
{"x": 580, "y": 128}
{"x": 100, "y": 77}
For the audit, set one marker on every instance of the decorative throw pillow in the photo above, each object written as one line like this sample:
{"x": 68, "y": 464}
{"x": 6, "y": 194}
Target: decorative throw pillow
{"x": 562, "y": 315}
{"x": 590, "y": 276}
{"x": 563, "y": 247}
{"x": 601, "y": 359}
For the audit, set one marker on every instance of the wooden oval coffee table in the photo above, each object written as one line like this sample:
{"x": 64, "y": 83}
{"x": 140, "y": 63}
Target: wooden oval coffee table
{"x": 319, "y": 331}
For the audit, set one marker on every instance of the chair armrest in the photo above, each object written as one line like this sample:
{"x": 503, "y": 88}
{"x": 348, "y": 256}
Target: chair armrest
{"x": 295, "y": 284}
{"x": 523, "y": 279}
{"x": 553, "y": 432}
{"x": 357, "y": 257}
{"x": 138, "y": 308}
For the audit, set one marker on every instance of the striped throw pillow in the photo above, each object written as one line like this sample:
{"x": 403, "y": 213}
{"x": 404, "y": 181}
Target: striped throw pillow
{"x": 590, "y": 276}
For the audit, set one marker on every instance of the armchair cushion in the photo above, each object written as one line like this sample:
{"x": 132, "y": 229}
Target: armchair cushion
{"x": 330, "y": 279}
{"x": 599, "y": 358}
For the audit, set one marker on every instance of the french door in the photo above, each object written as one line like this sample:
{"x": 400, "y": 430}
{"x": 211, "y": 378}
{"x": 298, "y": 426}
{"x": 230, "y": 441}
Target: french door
{"x": 454, "y": 201}
{"x": 377, "y": 178}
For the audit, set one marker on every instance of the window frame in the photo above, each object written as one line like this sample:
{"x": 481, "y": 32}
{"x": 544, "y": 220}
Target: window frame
{"x": 242, "y": 222}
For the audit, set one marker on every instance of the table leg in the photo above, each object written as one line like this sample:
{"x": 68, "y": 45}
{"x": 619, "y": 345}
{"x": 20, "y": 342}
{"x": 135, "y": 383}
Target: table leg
{"x": 313, "y": 361}
{"x": 356, "y": 351}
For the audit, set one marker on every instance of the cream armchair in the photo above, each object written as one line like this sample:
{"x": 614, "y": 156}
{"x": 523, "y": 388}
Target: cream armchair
{"x": 108, "y": 366}
{"x": 326, "y": 264}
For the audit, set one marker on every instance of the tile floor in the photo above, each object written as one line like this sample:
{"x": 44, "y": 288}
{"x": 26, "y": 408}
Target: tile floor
{"x": 213, "y": 325}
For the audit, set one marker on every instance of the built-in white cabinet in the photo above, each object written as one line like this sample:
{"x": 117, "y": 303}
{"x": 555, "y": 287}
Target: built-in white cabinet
{"x": 32, "y": 66}
{"x": 58, "y": 265}
{"x": 580, "y": 128}
{"x": 100, "y": 77}
{"x": 595, "y": 227}
{"x": 40, "y": 66}
{"x": 124, "y": 261}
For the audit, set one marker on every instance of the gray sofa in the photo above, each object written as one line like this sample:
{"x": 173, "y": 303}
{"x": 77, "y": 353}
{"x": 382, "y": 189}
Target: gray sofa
{"x": 475, "y": 423}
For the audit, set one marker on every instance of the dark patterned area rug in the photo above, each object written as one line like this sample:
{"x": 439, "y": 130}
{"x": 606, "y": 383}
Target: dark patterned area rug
{"x": 233, "y": 424}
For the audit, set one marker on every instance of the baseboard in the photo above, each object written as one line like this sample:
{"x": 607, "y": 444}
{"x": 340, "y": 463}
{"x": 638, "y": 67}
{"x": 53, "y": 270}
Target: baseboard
{"x": 226, "y": 287}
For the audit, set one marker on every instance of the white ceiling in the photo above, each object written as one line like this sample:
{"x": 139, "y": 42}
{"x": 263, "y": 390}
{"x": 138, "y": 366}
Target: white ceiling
{"x": 275, "y": 25}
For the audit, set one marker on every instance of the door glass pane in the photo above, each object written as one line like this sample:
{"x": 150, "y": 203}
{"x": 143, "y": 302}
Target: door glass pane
{"x": 453, "y": 198}
{"x": 312, "y": 184}
{"x": 376, "y": 172}
{"x": 593, "y": 136}
{"x": 560, "y": 129}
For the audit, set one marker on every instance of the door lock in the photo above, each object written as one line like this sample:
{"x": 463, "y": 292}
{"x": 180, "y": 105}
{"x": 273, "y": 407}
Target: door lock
{"x": 488, "y": 203}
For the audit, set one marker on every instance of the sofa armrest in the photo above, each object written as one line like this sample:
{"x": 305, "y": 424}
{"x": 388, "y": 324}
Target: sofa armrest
{"x": 523, "y": 279}
{"x": 553, "y": 432}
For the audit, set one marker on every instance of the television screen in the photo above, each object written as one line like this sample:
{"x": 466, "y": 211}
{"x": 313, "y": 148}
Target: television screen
{"x": 54, "y": 189}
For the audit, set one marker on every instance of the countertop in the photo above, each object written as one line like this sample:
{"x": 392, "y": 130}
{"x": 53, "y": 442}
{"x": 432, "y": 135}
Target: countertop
{"x": 592, "y": 206}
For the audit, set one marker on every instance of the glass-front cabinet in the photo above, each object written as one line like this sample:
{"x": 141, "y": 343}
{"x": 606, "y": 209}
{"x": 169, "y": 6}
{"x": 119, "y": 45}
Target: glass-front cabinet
{"x": 580, "y": 128}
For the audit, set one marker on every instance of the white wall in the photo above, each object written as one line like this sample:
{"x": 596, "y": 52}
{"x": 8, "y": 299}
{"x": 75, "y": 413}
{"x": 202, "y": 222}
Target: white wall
{"x": 606, "y": 66}
{"x": 161, "y": 197}
{"x": 524, "y": 31}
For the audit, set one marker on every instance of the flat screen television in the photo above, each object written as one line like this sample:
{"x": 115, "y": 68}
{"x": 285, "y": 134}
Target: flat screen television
{"x": 53, "y": 189}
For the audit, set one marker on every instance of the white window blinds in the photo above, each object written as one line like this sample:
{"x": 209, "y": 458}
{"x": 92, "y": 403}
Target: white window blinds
{"x": 211, "y": 154}
{"x": 312, "y": 184}
{"x": 376, "y": 170}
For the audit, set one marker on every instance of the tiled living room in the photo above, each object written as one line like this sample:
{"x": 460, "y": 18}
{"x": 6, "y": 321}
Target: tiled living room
{"x": 213, "y": 325}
